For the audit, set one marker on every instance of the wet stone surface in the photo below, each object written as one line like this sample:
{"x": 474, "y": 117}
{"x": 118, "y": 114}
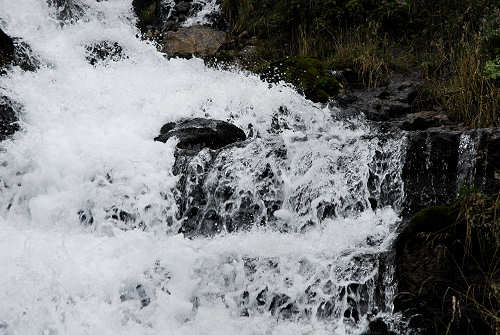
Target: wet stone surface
{"x": 196, "y": 134}
{"x": 104, "y": 52}
{"x": 210, "y": 199}
{"x": 68, "y": 11}
{"x": 8, "y": 118}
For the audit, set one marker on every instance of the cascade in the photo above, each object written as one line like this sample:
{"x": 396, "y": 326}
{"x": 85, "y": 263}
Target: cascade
{"x": 105, "y": 231}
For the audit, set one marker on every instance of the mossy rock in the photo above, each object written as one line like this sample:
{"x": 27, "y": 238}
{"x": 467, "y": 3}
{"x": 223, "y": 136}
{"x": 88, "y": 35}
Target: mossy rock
{"x": 310, "y": 76}
{"x": 430, "y": 220}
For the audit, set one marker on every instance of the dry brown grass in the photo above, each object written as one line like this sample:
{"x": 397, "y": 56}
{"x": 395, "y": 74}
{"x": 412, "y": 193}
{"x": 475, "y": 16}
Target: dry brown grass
{"x": 457, "y": 82}
{"x": 480, "y": 216}
{"x": 365, "y": 51}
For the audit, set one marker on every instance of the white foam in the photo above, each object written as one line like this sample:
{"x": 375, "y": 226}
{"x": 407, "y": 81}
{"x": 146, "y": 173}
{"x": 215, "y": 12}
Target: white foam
{"x": 87, "y": 142}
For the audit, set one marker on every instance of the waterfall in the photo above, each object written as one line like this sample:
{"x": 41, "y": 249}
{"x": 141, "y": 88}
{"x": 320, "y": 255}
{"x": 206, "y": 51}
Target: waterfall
{"x": 91, "y": 206}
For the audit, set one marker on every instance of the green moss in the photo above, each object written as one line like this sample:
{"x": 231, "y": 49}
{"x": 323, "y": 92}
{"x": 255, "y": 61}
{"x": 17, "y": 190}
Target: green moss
{"x": 309, "y": 75}
{"x": 148, "y": 15}
{"x": 146, "y": 12}
{"x": 433, "y": 219}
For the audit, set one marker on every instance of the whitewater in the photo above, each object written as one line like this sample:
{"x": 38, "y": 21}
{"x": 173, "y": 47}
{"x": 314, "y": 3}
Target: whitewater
{"x": 86, "y": 146}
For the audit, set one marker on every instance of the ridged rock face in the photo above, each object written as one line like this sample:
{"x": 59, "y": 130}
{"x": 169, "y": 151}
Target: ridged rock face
{"x": 196, "y": 40}
{"x": 441, "y": 162}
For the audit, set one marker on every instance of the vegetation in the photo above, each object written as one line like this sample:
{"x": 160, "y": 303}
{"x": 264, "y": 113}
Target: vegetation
{"x": 461, "y": 242}
{"x": 147, "y": 12}
{"x": 310, "y": 75}
{"x": 455, "y": 44}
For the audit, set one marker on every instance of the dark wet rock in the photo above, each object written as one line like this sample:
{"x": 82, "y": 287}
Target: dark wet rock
{"x": 8, "y": 118}
{"x": 196, "y": 134}
{"x": 24, "y": 57}
{"x": 430, "y": 169}
{"x": 378, "y": 327}
{"x": 68, "y": 11}
{"x": 195, "y": 40}
{"x": 395, "y": 103}
{"x": 384, "y": 103}
{"x": 15, "y": 52}
{"x": 6, "y": 49}
{"x": 422, "y": 121}
{"x": 209, "y": 200}
{"x": 326, "y": 310}
{"x": 282, "y": 306}
{"x": 155, "y": 17}
{"x": 262, "y": 297}
{"x": 323, "y": 297}
{"x": 103, "y": 52}
{"x": 120, "y": 216}
{"x": 212, "y": 200}
{"x": 440, "y": 162}
{"x": 183, "y": 7}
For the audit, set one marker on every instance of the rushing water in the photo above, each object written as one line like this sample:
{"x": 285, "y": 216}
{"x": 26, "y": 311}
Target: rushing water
{"x": 90, "y": 209}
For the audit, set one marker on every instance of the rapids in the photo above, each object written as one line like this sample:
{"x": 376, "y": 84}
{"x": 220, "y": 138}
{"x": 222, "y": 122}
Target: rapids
{"x": 85, "y": 151}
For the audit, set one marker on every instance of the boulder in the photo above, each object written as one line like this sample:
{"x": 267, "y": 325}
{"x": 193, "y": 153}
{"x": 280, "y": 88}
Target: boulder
{"x": 8, "y": 119}
{"x": 195, "y": 40}
{"x": 196, "y": 134}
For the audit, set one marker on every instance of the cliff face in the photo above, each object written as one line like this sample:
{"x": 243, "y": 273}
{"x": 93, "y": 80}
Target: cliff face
{"x": 440, "y": 162}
